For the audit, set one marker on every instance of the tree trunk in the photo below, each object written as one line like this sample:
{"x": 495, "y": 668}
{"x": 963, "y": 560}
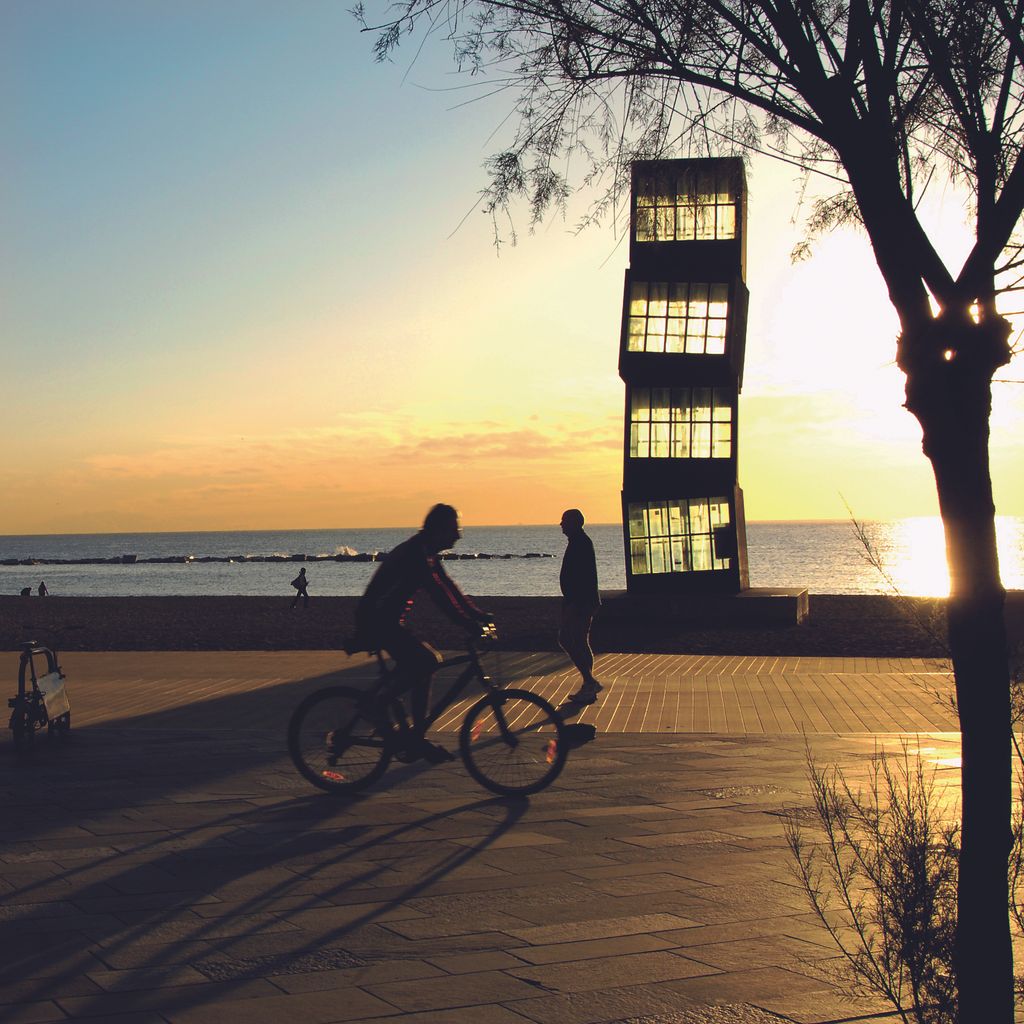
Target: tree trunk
{"x": 952, "y": 400}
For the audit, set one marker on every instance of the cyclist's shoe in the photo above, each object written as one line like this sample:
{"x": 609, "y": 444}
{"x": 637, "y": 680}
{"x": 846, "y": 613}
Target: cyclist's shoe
{"x": 435, "y": 753}
{"x": 408, "y": 754}
{"x": 409, "y": 747}
{"x": 586, "y": 694}
{"x": 424, "y": 750}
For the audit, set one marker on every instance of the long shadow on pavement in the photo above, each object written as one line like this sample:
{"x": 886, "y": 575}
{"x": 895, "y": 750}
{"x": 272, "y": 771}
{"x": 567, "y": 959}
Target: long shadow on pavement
{"x": 118, "y": 844}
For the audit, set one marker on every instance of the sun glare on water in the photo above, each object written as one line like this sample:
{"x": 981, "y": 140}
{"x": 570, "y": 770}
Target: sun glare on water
{"x": 912, "y": 553}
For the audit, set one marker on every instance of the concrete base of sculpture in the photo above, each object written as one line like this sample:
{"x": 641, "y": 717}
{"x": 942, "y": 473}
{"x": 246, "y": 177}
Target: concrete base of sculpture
{"x": 755, "y": 606}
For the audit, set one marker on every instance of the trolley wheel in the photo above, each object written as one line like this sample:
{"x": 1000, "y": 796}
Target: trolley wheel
{"x": 335, "y": 745}
{"x": 26, "y": 720}
{"x": 512, "y": 743}
{"x": 60, "y": 727}
{"x": 23, "y": 734}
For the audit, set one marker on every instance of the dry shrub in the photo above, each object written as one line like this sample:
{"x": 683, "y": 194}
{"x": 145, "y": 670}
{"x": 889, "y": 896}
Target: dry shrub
{"x": 880, "y": 872}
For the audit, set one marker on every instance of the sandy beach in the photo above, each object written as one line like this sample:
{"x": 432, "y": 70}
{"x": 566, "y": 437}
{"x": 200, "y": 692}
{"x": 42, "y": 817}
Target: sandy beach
{"x": 868, "y": 626}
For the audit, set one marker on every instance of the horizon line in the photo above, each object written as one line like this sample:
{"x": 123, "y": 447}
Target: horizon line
{"x": 473, "y": 526}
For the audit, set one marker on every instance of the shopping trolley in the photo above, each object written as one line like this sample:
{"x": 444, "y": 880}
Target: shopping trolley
{"x": 42, "y": 699}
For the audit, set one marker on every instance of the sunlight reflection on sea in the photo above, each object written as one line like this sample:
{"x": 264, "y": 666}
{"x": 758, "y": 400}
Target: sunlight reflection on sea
{"x": 905, "y": 556}
{"x": 913, "y": 552}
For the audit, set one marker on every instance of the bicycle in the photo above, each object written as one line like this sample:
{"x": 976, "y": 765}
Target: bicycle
{"x": 41, "y": 701}
{"x": 512, "y": 742}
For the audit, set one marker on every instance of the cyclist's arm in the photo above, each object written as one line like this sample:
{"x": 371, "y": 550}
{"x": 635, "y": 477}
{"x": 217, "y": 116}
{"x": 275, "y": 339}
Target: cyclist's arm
{"x": 452, "y": 601}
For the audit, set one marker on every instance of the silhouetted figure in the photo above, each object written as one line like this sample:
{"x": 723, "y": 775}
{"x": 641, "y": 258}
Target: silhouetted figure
{"x": 580, "y": 601}
{"x": 299, "y": 583}
{"x": 43, "y": 592}
{"x": 26, "y": 591}
{"x": 412, "y": 566}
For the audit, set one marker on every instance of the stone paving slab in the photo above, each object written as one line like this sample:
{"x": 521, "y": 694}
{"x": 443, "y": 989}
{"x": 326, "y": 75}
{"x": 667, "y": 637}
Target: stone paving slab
{"x": 645, "y": 693}
{"x": 167, "y": 864}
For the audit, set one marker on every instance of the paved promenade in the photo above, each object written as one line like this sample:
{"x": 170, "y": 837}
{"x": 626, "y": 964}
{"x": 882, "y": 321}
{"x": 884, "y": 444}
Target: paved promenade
{"x": 168, "y": 865}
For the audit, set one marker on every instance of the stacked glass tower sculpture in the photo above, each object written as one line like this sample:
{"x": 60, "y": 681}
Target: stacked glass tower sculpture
{"x": 681, "y": 358}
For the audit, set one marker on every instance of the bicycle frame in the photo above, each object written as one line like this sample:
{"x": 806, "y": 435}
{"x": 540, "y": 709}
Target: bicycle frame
{"x": 473, "y": 670}
{"x": 342, "y": 738}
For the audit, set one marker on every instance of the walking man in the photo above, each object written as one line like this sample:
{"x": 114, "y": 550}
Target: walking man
{"x": 580, "y": 600}
{"x": 299, "y": 583}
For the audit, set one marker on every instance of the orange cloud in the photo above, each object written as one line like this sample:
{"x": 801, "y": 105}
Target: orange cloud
{"x": 352, "y": 474}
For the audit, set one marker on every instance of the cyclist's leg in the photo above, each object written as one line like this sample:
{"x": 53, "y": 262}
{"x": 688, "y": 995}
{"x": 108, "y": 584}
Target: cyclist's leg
{"x": 415, "y": 664}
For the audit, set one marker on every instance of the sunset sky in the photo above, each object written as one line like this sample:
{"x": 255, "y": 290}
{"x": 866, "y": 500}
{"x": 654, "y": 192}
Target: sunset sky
{"x": 244, "y": 287}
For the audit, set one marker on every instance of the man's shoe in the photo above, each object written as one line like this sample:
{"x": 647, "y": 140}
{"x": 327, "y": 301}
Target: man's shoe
{"x": 586, "y": 694}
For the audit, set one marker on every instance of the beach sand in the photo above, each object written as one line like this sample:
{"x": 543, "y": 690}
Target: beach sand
{"x": 866, "y": 626}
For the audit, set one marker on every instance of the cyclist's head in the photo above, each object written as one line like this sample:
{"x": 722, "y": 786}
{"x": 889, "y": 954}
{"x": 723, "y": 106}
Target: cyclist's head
{"x": 572, "y": 521}
{"x": 441, "y": 526}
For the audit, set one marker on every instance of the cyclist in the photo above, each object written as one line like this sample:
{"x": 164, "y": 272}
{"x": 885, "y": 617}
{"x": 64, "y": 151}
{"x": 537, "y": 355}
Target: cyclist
{"x": 413, "y": 566}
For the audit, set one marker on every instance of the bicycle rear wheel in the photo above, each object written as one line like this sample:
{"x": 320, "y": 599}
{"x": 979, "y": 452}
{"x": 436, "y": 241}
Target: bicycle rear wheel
{"x": 335, "y": 745}
{"x": 512, "y": 743}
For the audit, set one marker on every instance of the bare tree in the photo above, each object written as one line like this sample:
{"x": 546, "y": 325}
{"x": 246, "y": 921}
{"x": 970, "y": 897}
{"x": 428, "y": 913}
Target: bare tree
{"x": 886, "y": 96}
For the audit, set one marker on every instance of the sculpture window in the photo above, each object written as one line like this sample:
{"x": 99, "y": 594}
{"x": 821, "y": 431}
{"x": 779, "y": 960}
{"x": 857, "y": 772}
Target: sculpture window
{"x": 684, "y": 206}
{"x": 678, "y": 316}
{"x": 680, "y": 423}
{"x": 676, "y": 536}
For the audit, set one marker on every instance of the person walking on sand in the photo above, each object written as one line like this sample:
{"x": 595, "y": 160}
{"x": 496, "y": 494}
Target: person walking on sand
{"x": 43, "y": 592}
{"x": 299, "y": 583}
{"x": 580, "y": 601}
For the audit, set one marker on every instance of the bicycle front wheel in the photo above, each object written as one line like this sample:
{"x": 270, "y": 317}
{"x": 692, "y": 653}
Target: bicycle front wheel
{"x": 512, "y": 743}
{"x": 334, "y": 744}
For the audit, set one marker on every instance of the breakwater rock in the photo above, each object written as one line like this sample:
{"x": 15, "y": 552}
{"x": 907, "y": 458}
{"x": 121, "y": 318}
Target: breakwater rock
{"x": 347, "y": 555}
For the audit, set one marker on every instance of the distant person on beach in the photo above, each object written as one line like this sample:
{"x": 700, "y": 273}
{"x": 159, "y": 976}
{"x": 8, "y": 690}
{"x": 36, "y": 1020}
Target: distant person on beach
{"x": 580, "y": 601}
{"x": 413, "y": 566}
{"x": 43, "y": 592}
{"x": 299, "y": 583}
{"x": 26, "y": 591}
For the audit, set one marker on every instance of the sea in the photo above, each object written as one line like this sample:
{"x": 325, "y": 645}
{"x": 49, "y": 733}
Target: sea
{"x": 905, "y": 555}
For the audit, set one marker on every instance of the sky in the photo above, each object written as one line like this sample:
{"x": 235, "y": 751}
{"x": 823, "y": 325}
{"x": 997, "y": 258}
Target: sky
{"x": 244, "y": 285}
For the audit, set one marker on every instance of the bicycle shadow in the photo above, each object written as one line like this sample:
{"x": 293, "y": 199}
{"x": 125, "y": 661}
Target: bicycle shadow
{"x": 233, "y": 961}
{"x": 135, "y": 828}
